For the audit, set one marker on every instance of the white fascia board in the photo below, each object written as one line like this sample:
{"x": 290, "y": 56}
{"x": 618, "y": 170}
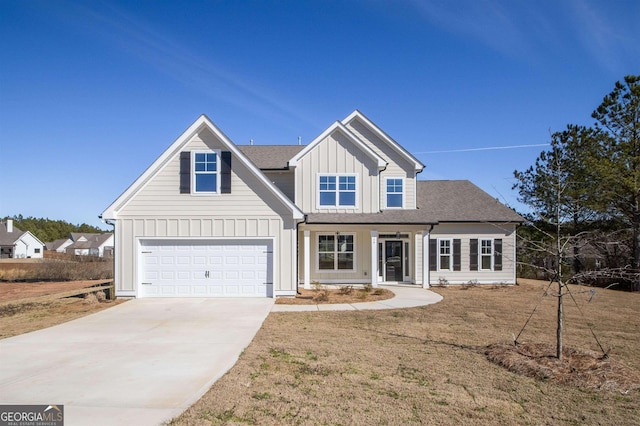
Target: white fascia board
{"x": 418, "y": 166}
{"x": 338, "y": 126}
{"x": 111, "y": 213}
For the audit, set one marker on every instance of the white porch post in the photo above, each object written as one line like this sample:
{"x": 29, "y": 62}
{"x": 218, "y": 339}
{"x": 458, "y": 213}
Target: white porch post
{"x": 426, "y": 278}
{"x": 307, "y": 260}
{"x": 374, "y": 259}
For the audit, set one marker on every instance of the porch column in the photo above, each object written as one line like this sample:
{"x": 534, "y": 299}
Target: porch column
{"x": 307, "y": 260}
{"x": 426, "y": 275}
{"x": 374, "y": 259}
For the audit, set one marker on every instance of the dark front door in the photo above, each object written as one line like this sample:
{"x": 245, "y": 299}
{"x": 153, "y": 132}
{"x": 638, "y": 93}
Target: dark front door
{"x": 393, "y": 261}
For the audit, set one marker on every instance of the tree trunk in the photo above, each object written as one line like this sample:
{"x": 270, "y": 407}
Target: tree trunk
{"x": 560, "y": 315}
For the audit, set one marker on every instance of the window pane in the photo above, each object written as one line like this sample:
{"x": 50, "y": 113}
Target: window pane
{"x": 325, "y": 243}
{"x": 347, "y": 183}
{"x": 345, "y": 243}
{"x": 325, "y": 261}
{"x": 206, "y": 182}
{"x": 347, "y": 198}
{"x": 327, "y": 183}
{"x": 327, "y": 198}
{"x": 445, "y": 262}
{"x": 345, "y": 261}
{"x": 394, "y": 200}
{"x": 486, "y": 262}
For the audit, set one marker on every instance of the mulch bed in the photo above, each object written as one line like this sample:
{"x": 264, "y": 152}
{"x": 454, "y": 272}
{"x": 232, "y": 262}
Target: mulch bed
{"x": 580, "y": 368}
{"x": 326, "y": 296}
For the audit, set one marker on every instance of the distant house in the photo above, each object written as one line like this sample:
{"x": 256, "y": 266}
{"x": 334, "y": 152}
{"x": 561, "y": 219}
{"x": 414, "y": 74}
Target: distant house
{"x": 16, "y": 244}
{"x": 88, "y": 244}
{"x": 59, "y": 246}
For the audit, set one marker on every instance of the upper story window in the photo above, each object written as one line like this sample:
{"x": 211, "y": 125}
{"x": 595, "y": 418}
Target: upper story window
{"x": 205, "y": 172}
{"x": 337, "y": 190}
{"x": 394, "y": 192}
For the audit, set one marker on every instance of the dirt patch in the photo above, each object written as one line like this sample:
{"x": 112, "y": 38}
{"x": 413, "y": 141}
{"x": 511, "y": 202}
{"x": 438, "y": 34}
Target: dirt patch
{"x": 336, "y": 296}
{"x": 11, "y": 291}
{"x": 426, "y": 365}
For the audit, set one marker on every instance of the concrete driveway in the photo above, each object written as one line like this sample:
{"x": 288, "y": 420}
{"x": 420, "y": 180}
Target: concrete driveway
{"x": 138, "y": 363}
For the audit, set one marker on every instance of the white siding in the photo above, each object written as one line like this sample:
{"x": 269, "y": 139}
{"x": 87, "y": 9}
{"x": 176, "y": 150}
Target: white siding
{"x": 336, "y": 154}
{"x": 397, "y": 165}
{"x": 159, "y": 210}
{"x": 466, "y": 232}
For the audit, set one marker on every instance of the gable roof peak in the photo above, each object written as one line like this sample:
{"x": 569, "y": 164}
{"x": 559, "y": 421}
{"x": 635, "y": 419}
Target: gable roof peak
{"x": 340, "y": 127}
{"x": 358, "y": 115}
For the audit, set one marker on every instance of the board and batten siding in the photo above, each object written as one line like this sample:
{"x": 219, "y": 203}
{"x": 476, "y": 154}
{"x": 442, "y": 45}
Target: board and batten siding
{"x": 159, "y": 210}
{"x": 397, "y": 166}
{"x": 467, "y": 232}
{"x": 336, "y": 155}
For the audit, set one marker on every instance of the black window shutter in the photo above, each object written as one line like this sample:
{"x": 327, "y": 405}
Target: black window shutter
{"x": 456, "y": 254}
{"x": 185, "y": 172}
{"x": 225, "y": 172}
{"x": 433, "y": 255}
{"x": 473, "y": 254}
{"x": 497, "y": 254}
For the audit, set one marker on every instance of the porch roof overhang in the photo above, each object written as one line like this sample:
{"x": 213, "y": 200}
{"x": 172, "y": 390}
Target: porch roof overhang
{"x": 387, "y": 217}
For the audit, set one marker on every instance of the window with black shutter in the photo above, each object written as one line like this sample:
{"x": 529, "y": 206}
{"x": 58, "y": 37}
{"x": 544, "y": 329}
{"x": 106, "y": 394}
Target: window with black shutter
{"x": 456, "y": 254}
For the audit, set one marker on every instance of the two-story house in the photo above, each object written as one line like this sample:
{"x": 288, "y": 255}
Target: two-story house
{"x": 210, "y": 218}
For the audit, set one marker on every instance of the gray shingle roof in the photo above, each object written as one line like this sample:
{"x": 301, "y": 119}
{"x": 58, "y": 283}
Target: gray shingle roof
{"x": 438, "y": 201}
{"x": 8, "y": 238}
{"x": 270, "y": 156}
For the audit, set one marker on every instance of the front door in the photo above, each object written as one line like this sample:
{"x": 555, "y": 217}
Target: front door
{"x": 393, "y": 256}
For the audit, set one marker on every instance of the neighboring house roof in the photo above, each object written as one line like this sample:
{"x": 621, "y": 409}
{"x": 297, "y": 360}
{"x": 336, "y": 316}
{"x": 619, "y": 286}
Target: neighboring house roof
{"x": 357, "y": 115}
{"x": 439, "y": 201}
{"x": 339, "y": 127}
{"x": 201, "y": 123}
{"x": 55, "y": 245}
{"x": 10, "y": 238}
{"x": 271, "y": 157}
{"x": 94, "y": 238}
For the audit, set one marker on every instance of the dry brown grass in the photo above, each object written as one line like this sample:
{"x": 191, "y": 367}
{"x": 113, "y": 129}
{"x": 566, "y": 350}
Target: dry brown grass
{"x": 18, "y": 318}
{"x": 425, "y": 365}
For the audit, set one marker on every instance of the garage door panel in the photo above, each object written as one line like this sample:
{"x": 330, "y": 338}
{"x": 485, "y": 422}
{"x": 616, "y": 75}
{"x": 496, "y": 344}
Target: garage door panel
{"x": 189, "y": 268}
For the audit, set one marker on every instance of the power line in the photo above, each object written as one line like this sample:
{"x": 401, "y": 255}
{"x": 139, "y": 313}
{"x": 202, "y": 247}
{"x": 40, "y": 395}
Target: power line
{"x": 486, "y": 148}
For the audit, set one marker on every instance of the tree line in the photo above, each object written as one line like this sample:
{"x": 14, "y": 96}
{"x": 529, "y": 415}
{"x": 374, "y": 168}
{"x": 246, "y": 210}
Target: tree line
{"x": 584, "y": 195}
{"x": 47, "y": 230}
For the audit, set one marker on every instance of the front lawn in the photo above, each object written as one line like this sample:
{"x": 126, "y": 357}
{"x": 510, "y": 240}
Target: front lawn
{"x": 426, "y": 365}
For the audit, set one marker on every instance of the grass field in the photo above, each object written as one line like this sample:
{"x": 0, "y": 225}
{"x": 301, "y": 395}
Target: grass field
{"x": 426, "y": 365}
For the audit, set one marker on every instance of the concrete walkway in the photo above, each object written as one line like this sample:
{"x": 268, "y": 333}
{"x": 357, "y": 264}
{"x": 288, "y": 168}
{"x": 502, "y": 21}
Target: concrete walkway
{"x": 139, "y": 363}
{"x": 405, "y": 297}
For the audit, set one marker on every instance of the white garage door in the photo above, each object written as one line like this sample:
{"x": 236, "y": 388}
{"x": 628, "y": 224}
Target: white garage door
{"x": 206, "y": 268}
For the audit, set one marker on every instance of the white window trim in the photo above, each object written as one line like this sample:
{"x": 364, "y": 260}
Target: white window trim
{"x": 336, "y": 206}
{"x": 491, "y": 255}
{"x": 450, "y": 255}
{"x": 193, "y": 172}
{"x": 404, "y": 190}
{"x": 317, "y": 253}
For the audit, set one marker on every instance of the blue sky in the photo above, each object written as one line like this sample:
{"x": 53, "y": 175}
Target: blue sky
{"x": 92, "y": 92}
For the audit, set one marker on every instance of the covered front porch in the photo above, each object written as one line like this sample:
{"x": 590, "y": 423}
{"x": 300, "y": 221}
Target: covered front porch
{"x": 343, "y": 254}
